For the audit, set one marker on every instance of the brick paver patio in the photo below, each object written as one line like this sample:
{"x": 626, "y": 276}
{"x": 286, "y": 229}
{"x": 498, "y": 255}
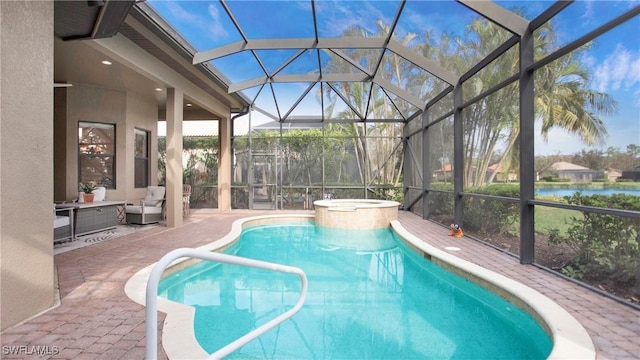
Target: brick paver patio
{"x": 96, "y": 320}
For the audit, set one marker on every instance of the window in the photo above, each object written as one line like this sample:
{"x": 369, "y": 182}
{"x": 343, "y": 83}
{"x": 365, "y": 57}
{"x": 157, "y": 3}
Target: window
{"x": 97, "y": 153}
{"x": 141, "y": 169}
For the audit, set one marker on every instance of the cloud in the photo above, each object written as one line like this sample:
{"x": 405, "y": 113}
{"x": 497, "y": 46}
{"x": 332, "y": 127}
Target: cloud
{"x": 211, "y": 26}
{"x": 619, "y": 70}
{"x": 216, "y": 28}
{"x": 179, "y": 13}
{"x": 337, "y": 16}
{"x": 588, "y": 11}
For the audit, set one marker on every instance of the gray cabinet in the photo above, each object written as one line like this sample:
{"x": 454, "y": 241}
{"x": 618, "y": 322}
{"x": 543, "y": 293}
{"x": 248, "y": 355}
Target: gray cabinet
{"x": 98, "y": 216}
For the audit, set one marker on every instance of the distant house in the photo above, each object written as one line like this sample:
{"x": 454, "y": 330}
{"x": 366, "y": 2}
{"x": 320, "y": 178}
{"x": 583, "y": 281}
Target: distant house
{"x": 575, "y": 173}
{"x": 500, "y": 174}
{"x": 445, "y": 173}
{"x": 613, "y": 174}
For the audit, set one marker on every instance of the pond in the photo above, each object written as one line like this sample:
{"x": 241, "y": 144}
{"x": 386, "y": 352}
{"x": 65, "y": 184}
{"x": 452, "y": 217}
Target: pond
{"x": 585, "y": 190}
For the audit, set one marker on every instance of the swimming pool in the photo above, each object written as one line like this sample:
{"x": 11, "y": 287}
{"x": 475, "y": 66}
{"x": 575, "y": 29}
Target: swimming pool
{"x": 393, "y": 323}
{"x": 369, "y": 297}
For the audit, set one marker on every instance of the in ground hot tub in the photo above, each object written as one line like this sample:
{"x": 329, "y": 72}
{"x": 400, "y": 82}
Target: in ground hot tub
{"x": 355, "y": 213}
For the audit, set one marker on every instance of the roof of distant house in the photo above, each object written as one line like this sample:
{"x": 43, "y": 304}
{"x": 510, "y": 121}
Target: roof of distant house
{"x": 445, "y": 168}
{"x": 563, "y": 165}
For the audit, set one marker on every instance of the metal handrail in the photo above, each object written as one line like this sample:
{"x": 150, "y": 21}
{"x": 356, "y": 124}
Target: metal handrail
{"x": 151, "y": 312}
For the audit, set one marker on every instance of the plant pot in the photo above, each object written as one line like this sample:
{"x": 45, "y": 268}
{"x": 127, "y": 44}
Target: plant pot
{"x": 88, "y": 198}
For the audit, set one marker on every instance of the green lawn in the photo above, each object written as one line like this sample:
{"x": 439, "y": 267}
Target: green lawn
{"x": 553, "y": 218}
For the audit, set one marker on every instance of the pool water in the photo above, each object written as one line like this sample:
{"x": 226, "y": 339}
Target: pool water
{"x": 369, "y": 297}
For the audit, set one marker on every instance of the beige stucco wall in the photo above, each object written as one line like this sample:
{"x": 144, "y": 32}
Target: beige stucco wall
{"x": 26, "y": 160}
{"x": 224, "y": 165}
{"x": 87, "y": 102}
{"x": 123, "y": 50}
{"x": 60, "y": 149}
{"x": 141, "y": 114}
{"x": 175, "y": 101}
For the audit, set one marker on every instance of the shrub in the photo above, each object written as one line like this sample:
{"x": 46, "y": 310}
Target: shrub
{"x": 491, "y": 216}
{"x": 607, "y": 246}
{"x": 441, "y": 203}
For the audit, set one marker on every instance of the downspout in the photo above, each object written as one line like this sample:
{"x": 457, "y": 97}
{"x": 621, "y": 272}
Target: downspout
{"x": 244, "y": 111}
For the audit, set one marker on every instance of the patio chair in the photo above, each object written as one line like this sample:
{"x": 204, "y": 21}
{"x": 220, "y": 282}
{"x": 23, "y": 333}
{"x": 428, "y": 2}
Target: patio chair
{"x": 62, "y": 224}
{"x": 99, "y": 194}
{"x": 150, "y": 210}
{"x": 186, "y": 199}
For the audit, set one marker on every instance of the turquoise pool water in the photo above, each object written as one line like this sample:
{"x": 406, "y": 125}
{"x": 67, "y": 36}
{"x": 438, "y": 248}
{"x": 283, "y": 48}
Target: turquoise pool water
{"x": 369, "y": 297}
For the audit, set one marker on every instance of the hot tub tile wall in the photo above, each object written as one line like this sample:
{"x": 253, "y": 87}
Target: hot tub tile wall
{"x": 370, "y": 214}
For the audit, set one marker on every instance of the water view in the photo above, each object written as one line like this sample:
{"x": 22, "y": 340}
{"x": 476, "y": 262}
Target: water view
{"x": 588, "y": 191}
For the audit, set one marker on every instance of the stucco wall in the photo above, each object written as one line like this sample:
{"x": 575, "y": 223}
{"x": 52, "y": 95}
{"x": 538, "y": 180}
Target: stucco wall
{"x": 61, "y": 145}
{"x": 87, "y": 102}
{"x": 26, "y": 160}
{"x": 140, "y": 114}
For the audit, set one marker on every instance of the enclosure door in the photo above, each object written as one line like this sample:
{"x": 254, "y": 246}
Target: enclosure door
{"x": 265, "y": 183}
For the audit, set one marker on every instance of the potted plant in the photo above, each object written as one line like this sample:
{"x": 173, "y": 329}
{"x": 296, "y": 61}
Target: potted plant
{"x": 87, "y": 190}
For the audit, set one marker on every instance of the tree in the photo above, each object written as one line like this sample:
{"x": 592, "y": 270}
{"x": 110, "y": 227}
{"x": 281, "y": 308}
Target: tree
{"x": 492, "y": 125}
{"x": 562, "y": 100}
{"x": 378, "y": 157}
{"x": 592, "y": 159}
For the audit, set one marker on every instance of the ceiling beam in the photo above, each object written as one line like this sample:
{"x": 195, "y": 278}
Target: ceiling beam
{"x": 300, "y": 78}
{"x": 280, "y": 44}
{"x": 401, "y": 93}
{"x": 428, "y": 65}
{"x": 499, "y": 15}
{"x": 300, "y": 98}
{"x": 385, "y": 84}
{"x": 346, "y": 101}
{"x": 353, "y": 63}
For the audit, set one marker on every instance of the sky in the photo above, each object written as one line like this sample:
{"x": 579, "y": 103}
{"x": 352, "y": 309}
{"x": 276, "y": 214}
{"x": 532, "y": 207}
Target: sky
{"x": 613, "y": 61}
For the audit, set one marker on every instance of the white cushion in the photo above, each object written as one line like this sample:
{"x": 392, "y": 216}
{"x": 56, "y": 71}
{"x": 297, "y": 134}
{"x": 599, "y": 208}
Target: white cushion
{"x": 147, "y": 209}
{"x": 60, "y": 221}
{"x": 99, "y": 193}
{"x": 155, "y": 195}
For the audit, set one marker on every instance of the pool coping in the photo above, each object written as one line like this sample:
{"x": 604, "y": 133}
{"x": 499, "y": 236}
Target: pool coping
{"x": 570, "y": 339}
{"x": 178, "y": 337}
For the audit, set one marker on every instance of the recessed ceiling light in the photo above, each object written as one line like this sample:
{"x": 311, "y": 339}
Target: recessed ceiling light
{"x": 189, "y": 105}
{"x": 158, "y": 89}
{"x": 106, "y": 62}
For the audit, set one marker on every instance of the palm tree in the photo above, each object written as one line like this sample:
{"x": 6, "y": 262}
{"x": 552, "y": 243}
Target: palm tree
{"x": 562, "y": 99}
